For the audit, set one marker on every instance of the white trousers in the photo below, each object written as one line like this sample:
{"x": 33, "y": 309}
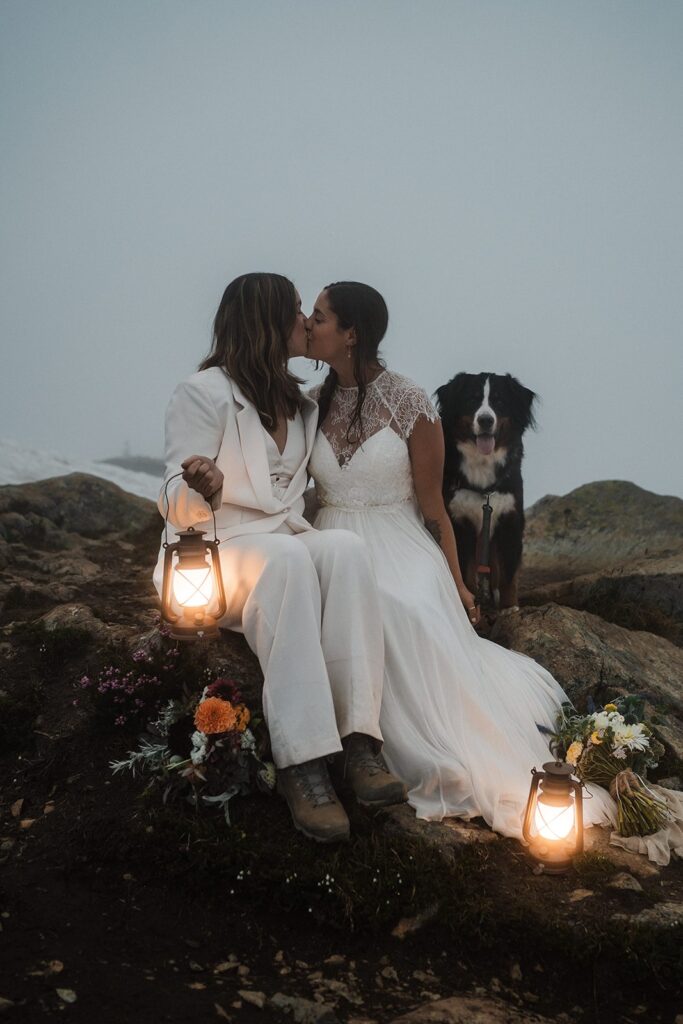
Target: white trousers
{"x": 307, "y": 604}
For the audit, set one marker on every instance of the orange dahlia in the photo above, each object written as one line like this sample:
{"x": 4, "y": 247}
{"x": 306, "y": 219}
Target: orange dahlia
{"x": 243, "y": 716}
{"x": 215, "y": 715}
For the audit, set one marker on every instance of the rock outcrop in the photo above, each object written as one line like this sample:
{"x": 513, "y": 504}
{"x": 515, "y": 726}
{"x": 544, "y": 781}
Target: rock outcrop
{"x": 646, "y": 595}
{"x": 593, "y": 658}
{"x": 597, "y": 527}
{"x": 79, "y": 551}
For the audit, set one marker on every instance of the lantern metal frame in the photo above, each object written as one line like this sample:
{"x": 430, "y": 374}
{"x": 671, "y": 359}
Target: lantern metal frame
{"x": 555, "y": 784}
{"x": 192, "y": 549}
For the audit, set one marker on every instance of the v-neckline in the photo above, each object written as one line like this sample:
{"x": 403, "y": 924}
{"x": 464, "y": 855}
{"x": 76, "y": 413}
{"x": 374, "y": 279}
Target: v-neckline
{"x": 344, "y": 465}
{"x": 284, "y": 447}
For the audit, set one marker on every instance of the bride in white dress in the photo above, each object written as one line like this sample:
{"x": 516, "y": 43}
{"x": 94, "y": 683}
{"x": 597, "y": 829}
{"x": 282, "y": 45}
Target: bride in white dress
{"x": 459, "y": 713}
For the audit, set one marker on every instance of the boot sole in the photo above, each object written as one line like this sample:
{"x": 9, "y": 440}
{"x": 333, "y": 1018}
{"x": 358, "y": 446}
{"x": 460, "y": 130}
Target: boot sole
{"x": 342, "y": 837}
{"x": 383, "y": 802}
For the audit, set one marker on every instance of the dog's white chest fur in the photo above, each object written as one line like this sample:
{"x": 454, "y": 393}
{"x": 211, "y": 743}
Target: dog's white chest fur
{"x": 468, "y": 505}
{"x": 480, "y": 469}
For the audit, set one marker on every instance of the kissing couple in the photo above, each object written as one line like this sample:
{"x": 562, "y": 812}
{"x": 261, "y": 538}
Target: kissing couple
{"x": 374, "y": 676}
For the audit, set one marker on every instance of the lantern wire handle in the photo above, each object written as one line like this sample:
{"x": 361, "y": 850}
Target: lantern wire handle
{"x": 168, "y": 508}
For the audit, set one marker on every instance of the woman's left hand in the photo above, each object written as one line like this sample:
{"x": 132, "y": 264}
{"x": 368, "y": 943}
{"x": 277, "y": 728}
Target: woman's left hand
{"x": 469, "y": 601}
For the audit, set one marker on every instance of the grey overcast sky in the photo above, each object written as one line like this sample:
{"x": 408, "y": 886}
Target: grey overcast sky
{"x": 509, "y": 174}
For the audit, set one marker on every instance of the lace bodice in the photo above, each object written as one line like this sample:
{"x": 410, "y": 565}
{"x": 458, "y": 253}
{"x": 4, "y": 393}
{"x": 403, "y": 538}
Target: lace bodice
{"x": 391, "y": 401}
{"x": 373, "y": 469}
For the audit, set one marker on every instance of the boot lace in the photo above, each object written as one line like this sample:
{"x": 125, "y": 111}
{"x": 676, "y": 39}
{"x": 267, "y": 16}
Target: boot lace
{"x": 315, "y": 784}
{"x": 366, "y": 760}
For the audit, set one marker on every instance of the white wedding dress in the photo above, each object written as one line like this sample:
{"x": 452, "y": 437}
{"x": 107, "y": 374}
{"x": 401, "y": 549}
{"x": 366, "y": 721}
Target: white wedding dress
{"x": 459, "y": 713}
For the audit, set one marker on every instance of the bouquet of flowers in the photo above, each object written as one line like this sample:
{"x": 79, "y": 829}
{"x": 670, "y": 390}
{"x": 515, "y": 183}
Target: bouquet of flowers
{"x": 613, "y": 748}
{"x": 203, "y": 750}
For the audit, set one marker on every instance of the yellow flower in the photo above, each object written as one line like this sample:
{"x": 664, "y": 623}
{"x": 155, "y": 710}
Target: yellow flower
{"x": 574, "y": 752}
{"x": 215, "y": 715}
{"x": 596, "y": 738}
{"x": 610, "y": 707}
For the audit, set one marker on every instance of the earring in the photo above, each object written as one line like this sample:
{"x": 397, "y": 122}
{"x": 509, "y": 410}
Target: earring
{"x": 348, "y": 351}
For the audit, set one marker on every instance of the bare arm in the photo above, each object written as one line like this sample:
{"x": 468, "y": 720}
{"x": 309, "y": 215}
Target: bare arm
{"x": 426, "y": 448}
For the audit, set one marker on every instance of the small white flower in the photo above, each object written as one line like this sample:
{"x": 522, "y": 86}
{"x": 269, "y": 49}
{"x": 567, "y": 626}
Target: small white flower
{"x": 199, "y": 744}
{"x": 605, "y": 719}
{"x": 248, "y": 741}
{"x": 619, "y": 752}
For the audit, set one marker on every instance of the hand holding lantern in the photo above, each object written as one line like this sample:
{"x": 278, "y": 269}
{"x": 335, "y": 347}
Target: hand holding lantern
{"x": 192, "y": 595}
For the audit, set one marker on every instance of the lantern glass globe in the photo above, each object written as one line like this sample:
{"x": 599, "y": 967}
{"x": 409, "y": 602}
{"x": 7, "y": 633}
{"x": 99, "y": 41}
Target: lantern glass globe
{"x": 193, "y": 588}
{"x": 553, "y": 822}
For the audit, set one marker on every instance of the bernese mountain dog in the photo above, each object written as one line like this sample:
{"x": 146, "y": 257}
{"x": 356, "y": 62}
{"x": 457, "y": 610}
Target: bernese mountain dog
{"x": 484, "y": 416}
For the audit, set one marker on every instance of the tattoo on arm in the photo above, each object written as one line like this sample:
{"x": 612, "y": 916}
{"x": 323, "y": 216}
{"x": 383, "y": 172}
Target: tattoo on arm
{"x": 433, "y": 526}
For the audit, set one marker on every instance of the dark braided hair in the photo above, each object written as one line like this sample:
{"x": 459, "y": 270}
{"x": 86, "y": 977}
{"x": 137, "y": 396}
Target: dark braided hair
{"x": 363, "y": 308}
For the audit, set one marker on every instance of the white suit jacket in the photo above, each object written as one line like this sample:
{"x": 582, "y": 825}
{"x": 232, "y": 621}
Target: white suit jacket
{"x": 208, "y": 415}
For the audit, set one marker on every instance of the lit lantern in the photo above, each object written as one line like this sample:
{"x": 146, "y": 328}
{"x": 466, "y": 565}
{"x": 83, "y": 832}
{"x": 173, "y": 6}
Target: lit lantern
{"x": 192, "y": 595}
{"x": 553, "y": 822}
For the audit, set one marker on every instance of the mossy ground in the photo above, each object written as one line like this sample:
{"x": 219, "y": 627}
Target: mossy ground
{"x": 128, "y": 894}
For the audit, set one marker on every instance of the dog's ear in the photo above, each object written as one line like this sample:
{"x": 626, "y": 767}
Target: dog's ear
{"x": 523, "y": 401}
{"x": 448, "y": 396}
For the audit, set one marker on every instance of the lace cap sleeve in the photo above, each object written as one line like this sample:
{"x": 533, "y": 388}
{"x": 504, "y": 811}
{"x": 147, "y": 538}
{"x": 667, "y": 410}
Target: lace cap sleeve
{"x": 412, "y": 404}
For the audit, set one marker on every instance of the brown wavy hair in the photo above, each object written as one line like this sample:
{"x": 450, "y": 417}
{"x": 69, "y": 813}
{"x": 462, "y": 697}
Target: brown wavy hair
{"x": 253, "y": 324}
{"x": 363, "y": 308}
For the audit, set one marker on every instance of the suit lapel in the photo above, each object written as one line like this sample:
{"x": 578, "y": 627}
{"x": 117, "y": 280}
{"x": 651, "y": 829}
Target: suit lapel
{"x": 309, "y": 412}
{"x": 253, "y": 444}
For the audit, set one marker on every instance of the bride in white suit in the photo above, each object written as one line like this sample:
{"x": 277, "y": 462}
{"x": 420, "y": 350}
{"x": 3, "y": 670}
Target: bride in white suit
{"x": 242, "y": 433}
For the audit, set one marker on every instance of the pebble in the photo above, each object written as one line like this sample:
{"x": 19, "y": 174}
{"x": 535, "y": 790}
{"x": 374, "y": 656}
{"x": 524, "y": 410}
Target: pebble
{"x": 67, "y": 995}
{"x": 303, "y": 1010}
{"x": 255, "y": 998}
{"x": 516, "y": 972}
{"x": 580, "y": 894}
{"x": 625, "y": 881}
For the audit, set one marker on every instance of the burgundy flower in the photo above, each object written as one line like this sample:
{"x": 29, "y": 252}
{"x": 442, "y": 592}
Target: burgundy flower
{"x": 226, "y": 689}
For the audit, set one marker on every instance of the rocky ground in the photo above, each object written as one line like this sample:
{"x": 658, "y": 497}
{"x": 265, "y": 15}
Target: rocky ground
{"x": 116, "y": 907}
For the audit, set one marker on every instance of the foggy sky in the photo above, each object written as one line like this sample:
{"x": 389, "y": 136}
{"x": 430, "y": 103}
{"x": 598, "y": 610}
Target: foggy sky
{"x": 508, "y": 174}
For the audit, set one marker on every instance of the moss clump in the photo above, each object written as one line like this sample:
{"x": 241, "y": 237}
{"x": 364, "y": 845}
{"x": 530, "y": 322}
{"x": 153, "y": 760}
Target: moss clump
{"x": 53, "y": 648}
{"x": 593, "y": 868}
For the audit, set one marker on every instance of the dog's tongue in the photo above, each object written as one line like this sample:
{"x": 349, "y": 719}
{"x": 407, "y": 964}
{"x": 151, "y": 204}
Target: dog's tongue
{"x": 486, "y": 443}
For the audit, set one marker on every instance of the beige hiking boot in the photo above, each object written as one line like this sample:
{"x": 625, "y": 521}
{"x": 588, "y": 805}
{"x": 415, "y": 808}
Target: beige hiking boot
{"x": 312, "y": 801}
{"x": 363, "y": 769}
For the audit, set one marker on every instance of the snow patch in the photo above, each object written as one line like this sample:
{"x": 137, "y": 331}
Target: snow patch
{"x": 22, "y": 465}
